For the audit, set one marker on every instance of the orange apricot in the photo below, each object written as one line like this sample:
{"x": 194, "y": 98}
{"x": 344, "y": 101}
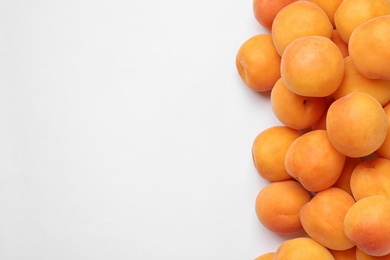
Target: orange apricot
{"x": 369, "y": 48}
{"x": 352, "y": 13}
{"x": 266, "y": 256}
{"x": 384, "y": 149}
{"x": 371, "y": 177}
{"x": 360, "y": 255}
{"x": 296, "y": 111}
{"x": 278, "y": 205}
{"x": 323, "y": 218}
{"x": 299, "y": 19}
{"x": 356, "y": 124}
{"x": 343, "y": 46}
{"x": 329, "y": 6}
{"x": 312, "y": 66}
{"x": 354, "y": 81}
{"x": 349, "y": 254}
{"x": 367, "y": 224}
{"x": 258, "y": 63}
{"x": 269, "y": 150}
{"x": 266, "y": 10}
{"x": 344, "y": 181}
{"x": 302, "y": 248}
{"x": 313, "y": 161}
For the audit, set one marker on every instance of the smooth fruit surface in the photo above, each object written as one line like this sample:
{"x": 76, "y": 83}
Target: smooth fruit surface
{"x": 369, "y": 48}
{"x": 312, "y": 66}
{"x": 356, "y": 124}
{"x": 258, "y": 63}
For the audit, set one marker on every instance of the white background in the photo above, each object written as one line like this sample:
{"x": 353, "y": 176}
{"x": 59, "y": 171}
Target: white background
{"x": 126, "y": 133}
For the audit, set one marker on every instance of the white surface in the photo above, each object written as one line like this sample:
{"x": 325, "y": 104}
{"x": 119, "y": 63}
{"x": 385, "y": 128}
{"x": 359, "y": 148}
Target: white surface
{"x": 125, "y": 132}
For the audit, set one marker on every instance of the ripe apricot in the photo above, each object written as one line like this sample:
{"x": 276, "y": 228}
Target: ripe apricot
{"x": 369, "y": 47}
{"x": 297, "y": 20}
{"x": 258, "y": 63}
{"x": 371, "y": 177}
{"x": 269, "y": 150}
{"x": 312, "y": 66}
{"x": 278, "y": 205}
{"x": 302, "y": 248}
{"x": 323, "y": 218}
{"x": 293, "y": 110}
{"x": 354, "y": 81}
{"x": 343, "y": 46}
{"x": 329, "y": 6}
{"x": 367, "y": 224}
{"x": 313, "y": 161}
{"x": 356, "y": 124}
{"x": 267, "y": 256}
{"x": 266, "y": 10}
{"x": 352, "y": 13}
{"x": 360, "y": 255}
{"x": 349, "y": 254}
{"x": 344, "y": 181}
{"x": 384, "y": 149}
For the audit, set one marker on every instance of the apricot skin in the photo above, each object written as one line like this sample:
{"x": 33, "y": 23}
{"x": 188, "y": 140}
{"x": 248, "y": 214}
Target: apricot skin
{"x": 360, "y": 255}
{"x": 344, "y": 181}
{"x": 356, "y": 124}
{"x": 352, "y": 13}
{"x": 258, "y": 63}
{"x": 278, "y": 205}
{"x": 297, "y": 20}
{"x": 313, "y": 161}
{"x": 267, "y": 256}
{"x": 295, "y": 111}
{"x": 269, "y": 150}
{"x": 371, "y": 177}
{"x": 367, "y": 224}
{"x": 342, "y": 45}
{"x": 312, "y": 66}
{"x": 323, "y": 218}
{"x": 369, "y": 48}
{"x": 354, "y": 81}
{"x": 266, "y": 10}
{"x": 349, "y": 254}
{"x": 302, "y": 248}
{"x": 384, "y": 149}
{"x": 329, "y": 6}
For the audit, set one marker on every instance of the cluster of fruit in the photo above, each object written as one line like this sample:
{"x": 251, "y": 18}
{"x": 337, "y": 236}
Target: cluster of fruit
{"x": 326, "y": 65}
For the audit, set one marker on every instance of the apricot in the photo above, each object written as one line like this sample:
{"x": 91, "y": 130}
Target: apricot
{"x": 356, "y": 124}
{"x": 352, "y": 13}
{"x": 313, "y": 161}
{"x": 371, "y": 177}
{"x": 349, "y": 254}
{"x": 293, "y": 110}
{"x": 269, "y": 150}
{"x": 267, "y": 256}
{"x": 329, "y": 6}
{"x": 367, "y": 224}
{"x": 278, "y": 205}
{"x": 384, "y": 149}
{"x": 323, "y": 218}
{"x": 360, "y": 255}
{"x": 302, "y": 248}
{"x": 258, "y": 63}
{"x": 354, "y": 81}
{"x": 266, "y": 10}
{"x": 312, "y": 66}
{"x": 341, "y": 44}
{"x": 369, "y": 47}
{"x": 297, "y": 20}
{"x": 344, "y": 181}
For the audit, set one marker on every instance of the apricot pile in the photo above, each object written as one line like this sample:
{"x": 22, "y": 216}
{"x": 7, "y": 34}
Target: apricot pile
{"x": 325, "y": 66}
